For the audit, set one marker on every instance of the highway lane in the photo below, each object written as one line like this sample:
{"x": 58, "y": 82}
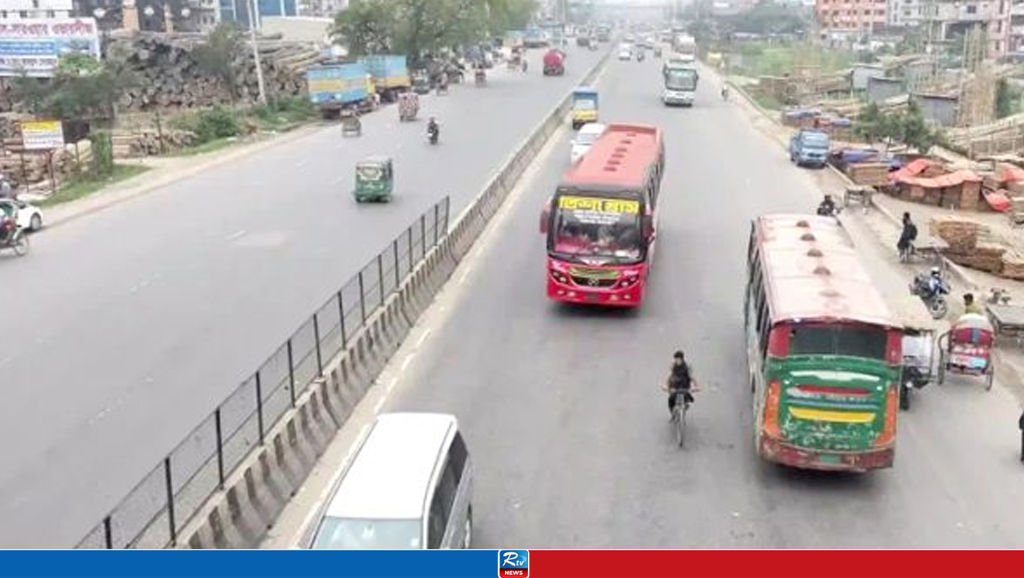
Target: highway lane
{"x": 569, "y": 432}
{"x": 122, "y": 330}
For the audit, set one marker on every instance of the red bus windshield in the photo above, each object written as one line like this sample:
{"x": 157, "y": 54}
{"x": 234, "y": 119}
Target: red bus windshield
{"x": 601, "y": 229}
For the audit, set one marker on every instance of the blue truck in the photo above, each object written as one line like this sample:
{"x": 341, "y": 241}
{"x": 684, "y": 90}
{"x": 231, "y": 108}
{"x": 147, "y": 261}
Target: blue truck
{"x": 809, "y": 147}
{"x": 334, "y": 87}
{"x": 390, "y": 74}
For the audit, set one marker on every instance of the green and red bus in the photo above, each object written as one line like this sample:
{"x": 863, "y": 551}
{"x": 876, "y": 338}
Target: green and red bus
{"x": 601, "y": 222}
{"x": 823, "y": 349}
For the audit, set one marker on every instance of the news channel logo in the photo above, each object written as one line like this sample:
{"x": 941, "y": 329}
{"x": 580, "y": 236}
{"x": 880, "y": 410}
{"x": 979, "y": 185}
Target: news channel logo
{"x": 513, "y": 563}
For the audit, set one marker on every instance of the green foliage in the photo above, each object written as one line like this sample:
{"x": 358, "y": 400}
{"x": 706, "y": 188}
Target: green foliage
{"x": 908, "y": 127}
{"x": 769, "y": 18}
{"x": 284, "y": 111}
{"x": 1006, "y": 99}
{"x": 82, "y": 88}
{"x": 415, "y": 27}
{"x": 210, "y": 125}
{"x": 217, "y": 57}
{"x": 102, "y": 154}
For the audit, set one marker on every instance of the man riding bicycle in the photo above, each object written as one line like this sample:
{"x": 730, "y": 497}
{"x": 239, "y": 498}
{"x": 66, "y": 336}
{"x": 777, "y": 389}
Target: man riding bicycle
{"x": 680, "y": 381}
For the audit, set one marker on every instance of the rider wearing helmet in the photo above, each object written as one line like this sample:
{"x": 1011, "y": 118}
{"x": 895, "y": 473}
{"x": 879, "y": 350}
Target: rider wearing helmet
{"x": 680, "y": 381}
{"x": 935, "y": 281}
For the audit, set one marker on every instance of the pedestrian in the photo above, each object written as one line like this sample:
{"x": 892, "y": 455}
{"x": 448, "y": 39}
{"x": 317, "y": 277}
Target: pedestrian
{"x": 6, "y": 191}
{"x": 1020, "y": 424}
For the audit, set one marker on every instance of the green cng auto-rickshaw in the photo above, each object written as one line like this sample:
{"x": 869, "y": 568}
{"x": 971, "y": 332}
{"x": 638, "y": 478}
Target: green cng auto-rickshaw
{"x": 375, "y": 179}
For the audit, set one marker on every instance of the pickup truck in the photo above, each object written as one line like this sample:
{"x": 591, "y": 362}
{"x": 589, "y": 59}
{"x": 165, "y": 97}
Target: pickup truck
{"x": 809, "y": 147}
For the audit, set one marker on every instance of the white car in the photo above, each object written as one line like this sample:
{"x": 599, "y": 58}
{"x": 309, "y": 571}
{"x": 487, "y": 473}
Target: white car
{"x": 28, "y": 217}
{"x": 585, "y": 138}
{"x": 625, "y": 52}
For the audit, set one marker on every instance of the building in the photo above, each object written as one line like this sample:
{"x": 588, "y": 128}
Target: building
{"x": 238, "y": 10}
{"x": 1016, "y": 40}
{"x": 25, "y": 9}
{"x": 903, "y": 13}
{"x": 949, "y": 19}
{"x": 837, "y": 18}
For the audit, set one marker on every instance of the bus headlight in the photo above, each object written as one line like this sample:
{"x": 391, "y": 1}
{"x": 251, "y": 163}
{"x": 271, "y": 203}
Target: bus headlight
{"x": 560, "y": 277}
{"x": 629, "y": 279}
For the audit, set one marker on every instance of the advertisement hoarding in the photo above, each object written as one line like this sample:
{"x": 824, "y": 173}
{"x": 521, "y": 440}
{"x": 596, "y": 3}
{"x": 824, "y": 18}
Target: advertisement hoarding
{"x": 33, "y": 46}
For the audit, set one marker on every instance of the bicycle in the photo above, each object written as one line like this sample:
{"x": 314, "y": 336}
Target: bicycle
{"x": 679, "y": 410}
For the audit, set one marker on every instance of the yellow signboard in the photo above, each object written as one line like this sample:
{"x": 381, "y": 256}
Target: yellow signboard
{"x": 619, "y": 206}
{"x": 42, "y": 134}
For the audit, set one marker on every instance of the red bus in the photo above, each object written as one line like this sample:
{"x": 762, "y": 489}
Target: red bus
{"x": 601, "y": 222}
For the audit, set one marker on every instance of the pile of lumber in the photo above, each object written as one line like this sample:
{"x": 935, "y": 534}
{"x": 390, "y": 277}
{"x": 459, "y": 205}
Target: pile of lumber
{"x": 986, "y": 257}
{"x": 172, "y": 78}
{"x": 150, "y": 142}
{"x": 868, "y": 174}
{"x": 27, "y": 168}
{"x": 1013, "y": 264}
{"x": 961, "y": 234}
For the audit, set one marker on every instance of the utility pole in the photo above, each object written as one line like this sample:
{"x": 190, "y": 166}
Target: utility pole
{"x": 253, "y": 20}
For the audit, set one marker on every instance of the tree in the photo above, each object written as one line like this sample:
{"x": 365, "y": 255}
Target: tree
{"x": 366, "y": 26}
{"x": 908, "y": 127}
{"x": 219, "y": 55}
{"x": 505, "y": 15}
{"x": 82, "y": 88}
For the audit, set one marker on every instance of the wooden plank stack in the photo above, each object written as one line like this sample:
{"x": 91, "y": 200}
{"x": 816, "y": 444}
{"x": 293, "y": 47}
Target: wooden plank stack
{"x": 961, "y": 234}
{"x": 868, "y": 174}
{"x": 1013, "y": 264}
{"x": 147, "y": 142}
{"x": 28, "y": 168}
{"x": 986, "y": 257}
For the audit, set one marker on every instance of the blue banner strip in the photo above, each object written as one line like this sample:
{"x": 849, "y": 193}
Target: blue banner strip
{"x": 249, "y": 564}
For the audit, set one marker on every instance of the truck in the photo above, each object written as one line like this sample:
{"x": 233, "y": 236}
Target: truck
{"x": 535, "y": 38}
{"x": 390, "y": 74}
{"x": 809, "y": 147}
{"x": 333, "y": 87}
{"x": 685, "y": 47}
{"x": 680, "y": 85}
{"x": 554, "y": 63}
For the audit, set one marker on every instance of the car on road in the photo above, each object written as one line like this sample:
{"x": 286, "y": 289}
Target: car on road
{"x": 625, "y": 52}
{"x": 408, "y": 487}
{"x": 28, "y": 217}
{"x": 585, "y": 138}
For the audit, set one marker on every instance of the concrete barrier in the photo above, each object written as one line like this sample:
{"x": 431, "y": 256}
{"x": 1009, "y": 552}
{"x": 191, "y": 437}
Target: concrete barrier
{"x": 254, "y": 495}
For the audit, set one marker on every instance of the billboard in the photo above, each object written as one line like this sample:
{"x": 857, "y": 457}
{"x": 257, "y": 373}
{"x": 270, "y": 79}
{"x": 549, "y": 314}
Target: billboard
{"x": 33, "y": 46}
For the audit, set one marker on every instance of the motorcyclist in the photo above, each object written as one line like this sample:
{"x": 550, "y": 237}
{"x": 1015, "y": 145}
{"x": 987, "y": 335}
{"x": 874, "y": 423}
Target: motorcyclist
{"x": 433, "y": 130}
{"x": 725, "y": 92}
{"x": 680, "y": 381}
{"x": 934, "y": 284}
{"x": 907, "y": 236}
{"x": 827, "y": 208}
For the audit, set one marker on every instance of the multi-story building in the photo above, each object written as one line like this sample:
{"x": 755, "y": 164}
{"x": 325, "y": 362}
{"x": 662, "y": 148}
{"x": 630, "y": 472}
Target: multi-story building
{"x": 24, "y": 9}
{"x": 902, "y": 13}
{"x": 948, "y": 19}
{"x": 1015, "y": 43}
{"x": 238, "y": 10}
{"x": 850, "y": 17}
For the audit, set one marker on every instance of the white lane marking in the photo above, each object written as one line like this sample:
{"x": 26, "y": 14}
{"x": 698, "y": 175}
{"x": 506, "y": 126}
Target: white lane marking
{"x": 419, "y": 343}
{"x": 465, "y": 274}
{"x": 380, "y": 403}
{"x": 405, "y": 364}
{"x": 236, "y": 235}
{"x": 391, "y": 384}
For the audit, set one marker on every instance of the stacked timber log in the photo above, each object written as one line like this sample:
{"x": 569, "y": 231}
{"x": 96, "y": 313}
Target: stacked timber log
{"x": 170, "y": 76}
{"x": 959, "y": 233}
{"x": 150, "y": 142}
{"x": 28, "y": 168}
{"x": 1013, "y": 264}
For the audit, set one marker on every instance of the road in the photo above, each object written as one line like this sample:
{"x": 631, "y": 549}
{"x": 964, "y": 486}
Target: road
{"x": 561, "y": 408}
{"x": 123, "y": 330}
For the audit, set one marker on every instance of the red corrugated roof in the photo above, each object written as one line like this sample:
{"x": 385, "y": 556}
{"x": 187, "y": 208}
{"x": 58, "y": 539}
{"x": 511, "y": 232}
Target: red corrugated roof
{"x": 1010, "y": 173}
{"x": 812, "y": 271}
{"x": 947, "y": 180}
{"x": 913, "y": 169}
{"x": 621, "y": 156}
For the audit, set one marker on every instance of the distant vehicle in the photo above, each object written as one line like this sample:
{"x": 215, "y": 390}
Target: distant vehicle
{"x": 625, "y": 52}
{"x": 554, "y": 63}
{"x": 680, "y": 85}
{"x": 408, "y": 487}
{"x": 335, "y": 87}
{"x": 809, "y": 147}
{"x": 604, "y": 34}
{"x": 601, "y": 225}
{"x": 824, "y": 378}
{"x": 584, "y": 106}
{"x": 585, "y": 138}
{"x": 28, "y": 217}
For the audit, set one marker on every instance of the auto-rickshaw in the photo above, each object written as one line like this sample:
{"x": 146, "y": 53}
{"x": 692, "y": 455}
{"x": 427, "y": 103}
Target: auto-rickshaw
{"x": 350, "y": 123}
{"x": 375, "y": 179}
{"x": 584, "y": 106}
{"x": 967, "y": 349}
{"x": 408, "y": 106}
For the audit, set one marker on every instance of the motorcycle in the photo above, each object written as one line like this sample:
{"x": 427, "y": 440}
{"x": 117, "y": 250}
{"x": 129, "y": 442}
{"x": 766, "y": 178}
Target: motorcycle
{"x": 935, "y": 301}
{"x": 639, "y": 56}
{"x": 13, "y": 237}
{"x": 433, "y": 132}
{"x": 825, "y": 210}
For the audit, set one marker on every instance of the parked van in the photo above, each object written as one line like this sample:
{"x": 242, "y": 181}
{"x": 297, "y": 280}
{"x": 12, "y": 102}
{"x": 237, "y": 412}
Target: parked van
{"x": 408, "y": 486}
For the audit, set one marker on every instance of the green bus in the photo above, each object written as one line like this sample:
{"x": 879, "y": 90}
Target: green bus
{"x": 823, "y": 349}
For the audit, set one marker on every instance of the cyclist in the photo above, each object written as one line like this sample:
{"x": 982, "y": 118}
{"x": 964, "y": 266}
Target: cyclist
{"x": 680, "y": 380}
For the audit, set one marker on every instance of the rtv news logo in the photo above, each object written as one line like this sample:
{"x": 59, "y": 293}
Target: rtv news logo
{"x": 513, "y": 563}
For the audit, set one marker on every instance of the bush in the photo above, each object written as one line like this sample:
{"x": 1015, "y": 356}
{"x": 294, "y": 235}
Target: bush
{"x": 216, "y": 123}
{"x": 102, "y": 154}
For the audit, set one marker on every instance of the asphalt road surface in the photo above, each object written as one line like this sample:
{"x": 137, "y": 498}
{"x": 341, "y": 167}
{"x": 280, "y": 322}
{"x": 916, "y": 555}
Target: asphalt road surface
{"x": 121, "y": 331}
{"x": 569, "y": 431}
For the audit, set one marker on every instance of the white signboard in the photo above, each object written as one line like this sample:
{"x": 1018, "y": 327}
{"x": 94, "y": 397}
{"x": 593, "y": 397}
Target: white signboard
{"x": 41, "y": 135}
{"x": 33, "y": 46}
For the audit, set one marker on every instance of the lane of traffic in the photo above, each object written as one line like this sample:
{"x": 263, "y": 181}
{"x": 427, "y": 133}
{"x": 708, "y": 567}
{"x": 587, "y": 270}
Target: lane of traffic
{"x": 133, "y": 323}
{"x": 561, "y": 409}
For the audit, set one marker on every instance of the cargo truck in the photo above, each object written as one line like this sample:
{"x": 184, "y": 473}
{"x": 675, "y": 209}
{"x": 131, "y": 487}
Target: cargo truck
{"x": 390, "y": 75}
{"x": 535, "y": 38}
{"x": 334, "y": 87}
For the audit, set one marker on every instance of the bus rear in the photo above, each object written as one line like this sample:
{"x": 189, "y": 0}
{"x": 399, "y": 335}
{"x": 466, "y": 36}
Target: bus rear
{"x": 832, "y": 395}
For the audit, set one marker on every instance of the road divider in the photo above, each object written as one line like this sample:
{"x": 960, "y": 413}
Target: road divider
{"x": 239, "y": 513}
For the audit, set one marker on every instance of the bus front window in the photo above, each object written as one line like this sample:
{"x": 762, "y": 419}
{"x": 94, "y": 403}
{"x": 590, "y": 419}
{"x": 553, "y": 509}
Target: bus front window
{"x": 615, "y": 238}
{"x": 863, "y": 341}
